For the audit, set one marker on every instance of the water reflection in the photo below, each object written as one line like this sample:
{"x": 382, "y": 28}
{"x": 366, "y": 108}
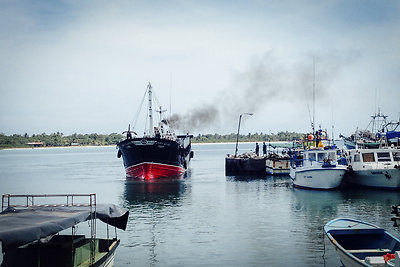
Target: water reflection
{"x": 372, "y": 205}
{"x": 267, "y": 180}
{"x": 311, "y": 210}
{"x": 162, "y": 193}
{"x": 245, "y": 177}
{"x": 152, "y": 207}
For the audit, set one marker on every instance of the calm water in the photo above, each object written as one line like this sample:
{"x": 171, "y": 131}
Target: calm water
{"x": 207, "y": 219}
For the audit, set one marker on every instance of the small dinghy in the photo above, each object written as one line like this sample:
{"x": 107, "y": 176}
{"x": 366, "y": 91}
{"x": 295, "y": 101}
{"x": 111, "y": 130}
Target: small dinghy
{"x": 362, "y": 244}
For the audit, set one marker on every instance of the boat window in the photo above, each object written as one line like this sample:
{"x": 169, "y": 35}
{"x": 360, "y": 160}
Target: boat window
{"x": 383, "y": 156}
{"x": 321, "y": 156}
{"x": 331, "y": 155}
{"x": 368, "y": 157}
{"x": 357, "y": 158}
{"x": 396, "y": 156}
{"x": 311, "y": 156}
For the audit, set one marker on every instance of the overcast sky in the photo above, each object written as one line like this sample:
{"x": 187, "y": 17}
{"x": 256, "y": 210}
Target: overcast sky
{"x": 83, "y": 66}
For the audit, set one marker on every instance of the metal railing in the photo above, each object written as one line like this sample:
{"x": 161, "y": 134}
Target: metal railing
{"x": 70, "y": 200}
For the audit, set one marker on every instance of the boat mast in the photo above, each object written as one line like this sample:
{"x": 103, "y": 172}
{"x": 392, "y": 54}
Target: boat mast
{"x": 313, "y": 119}
{"x": 150, "y": 110}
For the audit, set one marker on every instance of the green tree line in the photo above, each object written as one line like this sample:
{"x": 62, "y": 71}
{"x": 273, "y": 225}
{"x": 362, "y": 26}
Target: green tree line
{"x": 59, "y": 139}
{"x": 94, "y": 139}
{"x": 217, "y": 138}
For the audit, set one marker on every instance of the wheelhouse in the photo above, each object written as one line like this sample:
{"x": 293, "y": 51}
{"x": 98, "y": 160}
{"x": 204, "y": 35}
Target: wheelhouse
{"x": 367, "y": 156}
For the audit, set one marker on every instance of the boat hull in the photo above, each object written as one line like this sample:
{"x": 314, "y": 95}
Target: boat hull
{"x": 378, "y": 178}
{"x": 277, "y": 167}
{"x": 318, "y": 178}
{"x": 148, "y": 171}
{"x": 155, "y": 158}
{"x": 108, "y": 259}
{"x": 63, "y": 253}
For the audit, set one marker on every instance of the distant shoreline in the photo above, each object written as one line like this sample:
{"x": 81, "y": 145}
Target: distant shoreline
{"x": 197, "y": 143}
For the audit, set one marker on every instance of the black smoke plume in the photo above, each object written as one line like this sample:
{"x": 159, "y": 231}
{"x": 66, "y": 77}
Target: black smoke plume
{"x": 267, "y": 80}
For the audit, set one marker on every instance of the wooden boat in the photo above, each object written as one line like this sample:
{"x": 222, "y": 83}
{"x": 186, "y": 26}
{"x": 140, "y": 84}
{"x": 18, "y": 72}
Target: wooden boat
{"x": 277, "y": 164}
{"x": 30, "y": 230}
{"x": 360, "y": 243}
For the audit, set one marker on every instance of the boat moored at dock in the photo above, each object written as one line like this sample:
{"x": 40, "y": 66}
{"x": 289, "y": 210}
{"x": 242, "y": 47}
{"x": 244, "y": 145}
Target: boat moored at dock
{"x": 317, "y": 168}
{"x": 378, "y": 167}
{"x": 380, "y": 132}
{"x": 277, "y": 164}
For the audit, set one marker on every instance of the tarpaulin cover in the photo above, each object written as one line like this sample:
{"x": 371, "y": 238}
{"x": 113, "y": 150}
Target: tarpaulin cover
{"x": 22, "y": 226}
{"x": 392, "y": 134}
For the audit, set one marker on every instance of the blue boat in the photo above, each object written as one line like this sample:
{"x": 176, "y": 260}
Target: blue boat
{"x": 360, "y": 243}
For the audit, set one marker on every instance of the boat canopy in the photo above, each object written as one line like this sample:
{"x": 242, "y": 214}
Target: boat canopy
{"x": 392, "y": 134}
{"x": 22, "y": 226}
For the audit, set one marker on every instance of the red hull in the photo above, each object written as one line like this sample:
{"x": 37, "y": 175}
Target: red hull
{"x": 150, "y": 171}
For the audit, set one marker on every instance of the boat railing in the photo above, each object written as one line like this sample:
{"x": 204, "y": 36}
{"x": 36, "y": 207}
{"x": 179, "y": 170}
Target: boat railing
{"x": 64, "y": 200}
{"x": 296, "y": 162}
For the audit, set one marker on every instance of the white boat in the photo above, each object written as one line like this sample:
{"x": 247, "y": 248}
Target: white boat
{"x": 32, "y": 231}
{"x": 277, "y": 164}
{"x": 317, "y": 169}
{"x": 378, "y": 167}
{"x": 362, "y": 244}
{"x": 317, "y": 166}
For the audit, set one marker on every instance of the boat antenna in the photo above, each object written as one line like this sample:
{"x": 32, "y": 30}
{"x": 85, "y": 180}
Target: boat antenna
{"x": 161, "y": 111}
{"x": 150, "y": 110}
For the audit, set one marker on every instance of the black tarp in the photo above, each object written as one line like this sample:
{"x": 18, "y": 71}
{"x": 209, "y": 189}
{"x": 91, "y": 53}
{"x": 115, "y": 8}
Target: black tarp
{"x": 22, "y": 226}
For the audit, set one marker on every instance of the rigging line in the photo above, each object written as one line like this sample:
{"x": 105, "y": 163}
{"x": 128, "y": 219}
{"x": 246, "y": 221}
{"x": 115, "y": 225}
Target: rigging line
{"x": 135, "y": 119}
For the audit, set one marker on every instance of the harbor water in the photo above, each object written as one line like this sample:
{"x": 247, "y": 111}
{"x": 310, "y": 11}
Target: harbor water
{"x": 206, "y": 219}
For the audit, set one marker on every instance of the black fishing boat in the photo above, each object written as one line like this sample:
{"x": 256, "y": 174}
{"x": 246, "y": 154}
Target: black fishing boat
{"x": 159, "y": 154}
